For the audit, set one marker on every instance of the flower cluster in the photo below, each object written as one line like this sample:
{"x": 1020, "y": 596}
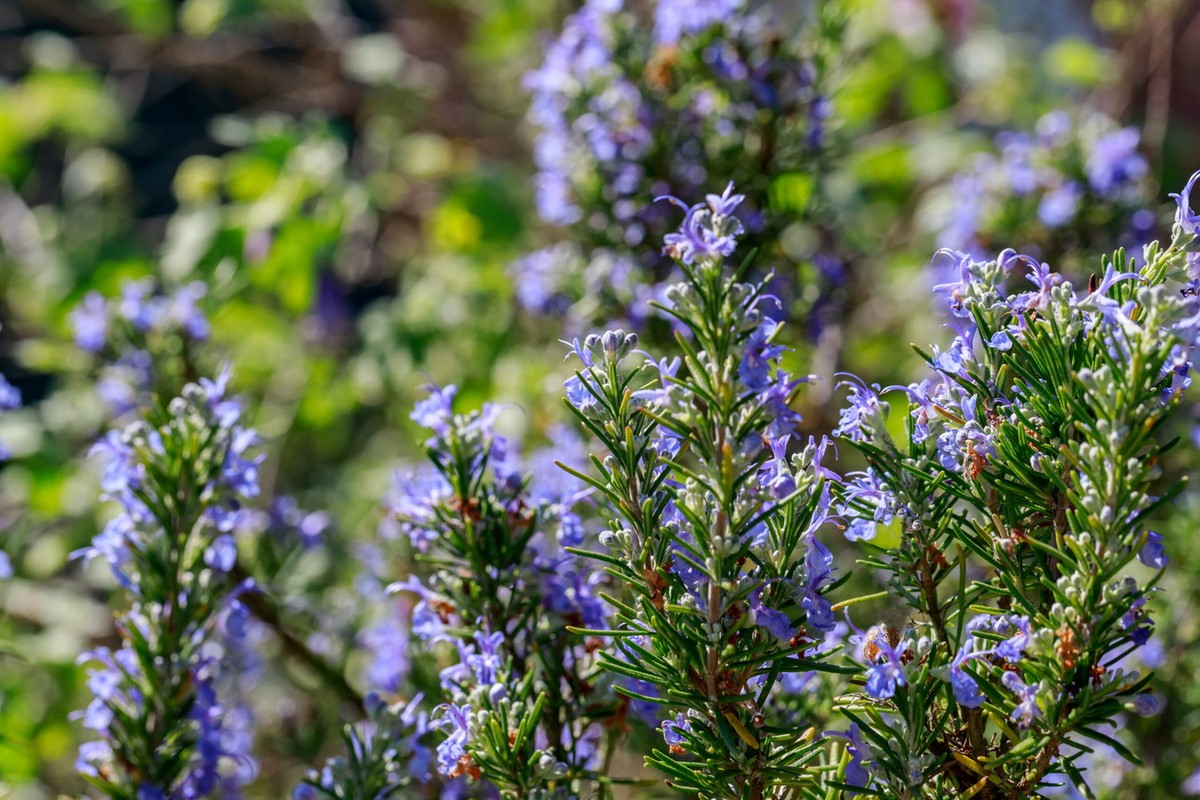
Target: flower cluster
{"x": 637, "y": 100}
{"x": 165, "y": 703}
{"x": 715, "y": 510}
{"x": 1076, "y": 183}
{"x": 1022, "y": 491}
{"x": 144, "y": 339}
{"x": 520, "y": 693}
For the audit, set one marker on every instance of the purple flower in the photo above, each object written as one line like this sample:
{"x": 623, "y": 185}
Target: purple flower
{"x": 580, "y": 351}
{"x": 1184, "y": 216}
{"x": 222, "y": 553}
{"x": 1153, "y": 554}
{"x": 1012, "y": 648}
{"x": 435, "y": 411}
{"x": 856, "y": 771}
{"x": 887, "y": 672}
{"x": 412, "y": 506}
{"x": 776, "y": 474}
{"x": 569, "y": 590}
{"x": 388, "y": 644}
{"x": 92, "y": 757}
{"x": 755, "y": 367}
{"x": 457, "y": 719}
{"x": 674, "y": 730}
{"x": 10, "y": 396}
{"x": 1147, "y": 704}
{"x": 1027, "y": 709}
{"x": 966, "y": 690}
{"x": 90, "y": 323}
{"x": 1137, "y": 622}
{"x": 865, "y": 408}
{"x": 186, "y": 313}
{"x": 775, "y": 622}
{"x": 724, "y": 204}
{"x": 866, "y": 489}
{"x": 818, "y": 571}
{"x": 486, "y": 663}
{"x": 541, "y": 279}
{"x": 581, "y": 395}
{"x": 1000, "y": 341}
{"x": 709, "y": 231}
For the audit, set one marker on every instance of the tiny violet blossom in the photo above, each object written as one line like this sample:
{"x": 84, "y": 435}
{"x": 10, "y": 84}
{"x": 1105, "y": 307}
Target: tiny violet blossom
{"x": 1027, "y": 709}
{"x": 776, "y": 475}
{"x": 774, "y": 621}
{"x": 966, "y": 689}
{"x": 673, "y": 731}
{"x": 1153, "y": 553}
{"x": 709, "y": 230}
{"x": 864, "y": 409}
{"x": 886, "y": 672}
{"x": 1185, "y": 217}
{"x": 451, "y": 752}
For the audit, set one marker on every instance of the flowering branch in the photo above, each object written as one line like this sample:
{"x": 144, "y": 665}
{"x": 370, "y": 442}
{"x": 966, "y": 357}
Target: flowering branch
{"x": 1023, "y": 490}
{"x": 165, "y": 703}
{"x": 715, "y": 523}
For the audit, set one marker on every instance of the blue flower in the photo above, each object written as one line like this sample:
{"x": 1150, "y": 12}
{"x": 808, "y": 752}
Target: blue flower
{"x": 1026, "y": 710}
{"x": 387, "y": 642}
{"x": 1012, "y": 648}
{"x": 709, "y": 231}
{"x": 222, "y": 553}
{"x": 865, "y": 409}
{"x": 486, "y": 663}
{"x": 856, "y": 772}
{"x": 674, "y": 729}
{"x": 1000, "y": 341}
{"x": 435, "y": 411}
{"x": 457, "y": 719}
{"x": 1153, "y": 553}
{"x": 869, "y": 490}
{"x": 966, "y": 690}
{"x": 775, "y": 622}
{"x": 541, "y": 278}
{"x": 10, "y": 396}
{"x": 1146, "y": 704}
{"x": 1184, "y": 216}
{"x": 754, "y": 369}
{"x": 186, "y": 313}
{"x": 93, "y": 756}
{"x": 776, "y": 474}
{"x": 887, "y": 672}
{"x": 581, "y": 394}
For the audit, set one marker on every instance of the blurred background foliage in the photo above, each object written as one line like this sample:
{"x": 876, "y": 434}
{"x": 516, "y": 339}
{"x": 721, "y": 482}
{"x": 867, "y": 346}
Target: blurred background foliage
{"x": 351, "y": 180}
